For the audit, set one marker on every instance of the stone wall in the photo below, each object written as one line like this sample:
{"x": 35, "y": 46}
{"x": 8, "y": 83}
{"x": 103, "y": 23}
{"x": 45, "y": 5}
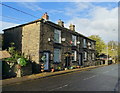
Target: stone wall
{"x": 30, "y": 43}
{"x": 32, "y": 39}
{"x": 47, "y": 31}
{"x": 13, "y": 35}
{"x": 27, "y": 69}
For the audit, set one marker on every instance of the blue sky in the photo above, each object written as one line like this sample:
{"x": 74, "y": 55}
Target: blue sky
{"x": 89, "y": 17}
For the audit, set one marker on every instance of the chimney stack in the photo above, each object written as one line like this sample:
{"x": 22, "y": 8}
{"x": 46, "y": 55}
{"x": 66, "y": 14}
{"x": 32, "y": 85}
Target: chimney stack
{"x": 45, "y": 16}
{"x": 60, "y": 23}
{"x": 72, "y": 27}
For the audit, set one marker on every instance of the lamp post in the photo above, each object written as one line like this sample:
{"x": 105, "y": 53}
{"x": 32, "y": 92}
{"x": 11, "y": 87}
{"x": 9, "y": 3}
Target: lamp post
{"x": 108, "y": 51}
{"x": 107, "y": 55}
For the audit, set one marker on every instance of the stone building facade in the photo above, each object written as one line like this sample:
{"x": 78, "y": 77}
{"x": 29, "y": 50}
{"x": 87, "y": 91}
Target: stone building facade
{"x": 62, "y": 47}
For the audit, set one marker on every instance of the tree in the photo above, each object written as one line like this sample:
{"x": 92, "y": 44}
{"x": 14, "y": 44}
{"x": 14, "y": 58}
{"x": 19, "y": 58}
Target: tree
{"x": 100, "y": 45}
{"x": 112, "y": 44}
{"x": 15, "y": 55}
{"x": 113, "y": 48}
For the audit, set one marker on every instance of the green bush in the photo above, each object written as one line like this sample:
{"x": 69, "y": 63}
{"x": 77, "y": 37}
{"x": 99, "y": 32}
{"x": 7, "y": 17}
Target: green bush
{"x": 16, "y": 56}
{"x": 22, "y": 61}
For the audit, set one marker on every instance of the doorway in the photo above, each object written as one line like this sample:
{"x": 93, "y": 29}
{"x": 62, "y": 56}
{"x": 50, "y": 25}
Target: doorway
{"x": 47, "y": 61}
{"x": 67, "y": 60}
{"x": 80, "y": 59}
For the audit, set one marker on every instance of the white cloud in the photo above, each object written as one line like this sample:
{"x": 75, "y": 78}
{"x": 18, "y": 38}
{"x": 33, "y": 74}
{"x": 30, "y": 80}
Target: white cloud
{"x": 77, "y": 8}
{"x": 51, "y": 11}
{"x": 31, "y": 5}
{"x": 5, "y": 25}
{"x": 104, "y": 23}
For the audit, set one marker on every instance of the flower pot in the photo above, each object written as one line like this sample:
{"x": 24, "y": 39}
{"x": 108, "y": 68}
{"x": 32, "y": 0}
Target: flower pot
{"x": 18, "y": 66}
{"x": 71, "y": 67}
{"x": 42, "y": 70}
{"x": 52, "y": 70}
{"x": 65, "y": 68}
{"x": 19, "y": 74}
{"x": 78, "y": 66}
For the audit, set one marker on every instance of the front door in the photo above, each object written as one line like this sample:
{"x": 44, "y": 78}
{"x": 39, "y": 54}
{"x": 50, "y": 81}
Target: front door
{"x": 67, "y": 61}
{"x": 80, "y": 59}
{"x": 47, "y": 60}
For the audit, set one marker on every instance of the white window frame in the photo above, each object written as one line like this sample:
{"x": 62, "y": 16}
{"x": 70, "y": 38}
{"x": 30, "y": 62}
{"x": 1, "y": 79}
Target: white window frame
{"x": 89, "y": 56}
{"x": 56, "y": 31}
{"x": 89, "y": 45}
{"x": 93, "y": 56}
{"x": 59, "y": 58}
{"x": 74, "y": 55}
{"x": 74, "y": 40}
{"x": 85, "y": 56}
{"x": 84, "y": 43}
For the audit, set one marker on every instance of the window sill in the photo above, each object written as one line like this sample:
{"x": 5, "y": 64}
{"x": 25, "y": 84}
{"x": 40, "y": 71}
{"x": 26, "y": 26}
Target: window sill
{"x": 56, "y": 62}
{"x": 74, "y": 61}
{"x": 57, "y": 43}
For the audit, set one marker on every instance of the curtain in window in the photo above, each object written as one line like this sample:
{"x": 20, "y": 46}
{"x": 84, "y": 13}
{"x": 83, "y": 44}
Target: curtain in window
{"x": 84, "y": 43}
{"x": 74, "y": 40}
{"x": 57, "y": 55}
{"x": 57, "y": 36}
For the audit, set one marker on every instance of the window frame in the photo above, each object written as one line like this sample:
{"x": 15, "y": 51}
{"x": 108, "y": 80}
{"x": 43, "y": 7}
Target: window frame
{"x": 56, "y": 31}
{"x": 84, "y": 43}
{"x": 74, "y": 55}
{"x": 85, "y": 56}
{"x": 59, "y": 56}
{"x": 74, "y": 40}
{"x": 93, "y": 56}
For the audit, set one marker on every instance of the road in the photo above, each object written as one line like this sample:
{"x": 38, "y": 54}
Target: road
{"x": 98, "y": 79}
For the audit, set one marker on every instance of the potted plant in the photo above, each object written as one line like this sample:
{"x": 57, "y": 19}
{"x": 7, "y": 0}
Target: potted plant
{"x": 59, "y": 68}
{"x": 78, "y": 66}
{"x": 66, "y": 68}
{"x": 71, "y": 67}
{"x": 52, "y": 68}
{"x": 21, "y": 62}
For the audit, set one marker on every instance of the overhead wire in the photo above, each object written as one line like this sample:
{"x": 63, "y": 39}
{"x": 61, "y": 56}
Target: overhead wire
{"x": 13, "y": 18}
{"x": 18, "y": 10}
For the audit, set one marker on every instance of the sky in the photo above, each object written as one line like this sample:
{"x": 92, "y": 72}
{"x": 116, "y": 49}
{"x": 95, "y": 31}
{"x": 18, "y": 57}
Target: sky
{"x": 89, "y": 18}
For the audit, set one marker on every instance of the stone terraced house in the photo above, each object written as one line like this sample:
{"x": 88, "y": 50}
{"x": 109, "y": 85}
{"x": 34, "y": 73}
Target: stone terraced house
{"x": 61, "y": 46}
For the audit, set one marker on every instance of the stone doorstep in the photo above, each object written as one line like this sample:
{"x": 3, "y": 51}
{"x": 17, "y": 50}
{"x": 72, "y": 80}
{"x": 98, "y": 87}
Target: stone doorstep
{"x": 42, "y": 75}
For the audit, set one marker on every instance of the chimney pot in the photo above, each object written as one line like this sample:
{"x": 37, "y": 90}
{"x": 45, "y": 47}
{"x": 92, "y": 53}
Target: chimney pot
{"x": 72, "y": 27}
{"x": 45, "y": 16}
{"x": 60, "y": 23}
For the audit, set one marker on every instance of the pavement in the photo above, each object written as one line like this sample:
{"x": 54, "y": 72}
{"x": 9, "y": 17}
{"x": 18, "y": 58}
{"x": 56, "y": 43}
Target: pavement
{"x": 43, "y": 75}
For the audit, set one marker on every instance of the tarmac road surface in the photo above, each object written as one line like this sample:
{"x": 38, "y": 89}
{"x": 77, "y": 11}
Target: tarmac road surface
{"x": 98, "y": 79}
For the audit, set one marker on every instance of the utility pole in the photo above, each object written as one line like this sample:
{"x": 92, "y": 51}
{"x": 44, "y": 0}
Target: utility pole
{"x": 106, "y": 63}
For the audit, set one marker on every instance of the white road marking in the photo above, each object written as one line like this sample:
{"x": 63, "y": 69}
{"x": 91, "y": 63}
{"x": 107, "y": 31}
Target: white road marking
{"x": 110, "y": 70}
{"x": 59, "y": 87}
{"x": 113, "y": 69}
{"x": 89, "y": 77}
{"x": 106, "y": 72}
